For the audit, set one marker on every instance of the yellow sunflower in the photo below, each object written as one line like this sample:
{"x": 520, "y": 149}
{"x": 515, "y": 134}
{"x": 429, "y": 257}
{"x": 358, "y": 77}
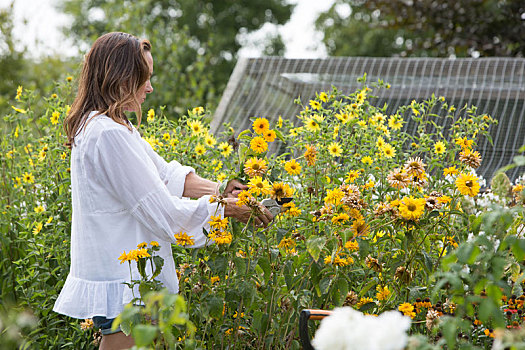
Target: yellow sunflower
{"x": 269, "y": 135}
{"x": 292, "y": 167}
{"x": 412, "y": 208}
{"x": 311, "y": 124}
{"x": 183, "y": 239}
{"x": 335, "y": 149}
{"x": 225, "y": 148}
{"x": 210, "y": 141}
{"x": 260, "y": 125}
{"x": 255, "y": 167}
{"x": 439, "y": 147}
{"x": 388, "y": 150}
{"x": 468, "y": 185}
{"x": 257, "y": 186}
{"x": 200, "y": 150}
{"x": 258, "y": 145}
{"x": 195, "y": 127}
{"x": 281, "y": 190}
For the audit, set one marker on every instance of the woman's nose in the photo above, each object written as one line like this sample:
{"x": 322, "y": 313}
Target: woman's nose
{"x": 149, "y": 87}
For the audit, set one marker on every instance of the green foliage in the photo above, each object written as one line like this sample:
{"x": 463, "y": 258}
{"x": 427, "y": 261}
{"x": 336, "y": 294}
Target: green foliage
{"x": 377, "y": 219}
{"x": 194, "y": 42}
{"x": 424, "y": 28}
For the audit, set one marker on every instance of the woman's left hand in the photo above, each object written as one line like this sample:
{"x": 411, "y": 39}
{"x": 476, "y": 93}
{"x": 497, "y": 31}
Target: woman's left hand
{"x": 233, "y": 188}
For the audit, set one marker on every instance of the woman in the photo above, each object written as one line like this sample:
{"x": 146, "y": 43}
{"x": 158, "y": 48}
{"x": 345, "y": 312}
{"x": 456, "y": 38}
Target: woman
{"x": 123, "y": 193}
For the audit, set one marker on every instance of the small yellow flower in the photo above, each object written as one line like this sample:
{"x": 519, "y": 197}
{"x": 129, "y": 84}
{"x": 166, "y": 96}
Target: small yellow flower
{"x": 323, "y": 96}
{"x": 280, "y": 122}
{"x": 258, "y": 144}
{"x": 142, "y": 245}
{"x": 292, "y": 167}
{"x": 37, "y": 228}
{"x": 154, "y": 243}
{"x": 311, "y": 124}
{"x": 53, "y": 96}
{"x": 210, "y": 141}
{"x": 124, "y": 257}
{"x": 39, "y": 209}
{"x": 54, "y": 118}
{"x": 195, "y": 127}
{"x": 388, "y": 150}
{"x": 269, "y": 135}
{"x": 197, "y": 110}
{"x": 261, "y": 125}
{"x": 225, "y": 148}
{"x": 352, "y": 246}
{"x": 450, "y": 171}
{"x": 367, "y": 160}
{"x": 221, "y": 237}
{"x": 183, "y": 239}
{"x": 315, "y": 105}
{"x": 218, "y": 223}
{"x": 257, "y": 186}
{"x": 200, "y": 150}
{"x": 335, "y": 149}
{"x": 69, "y": 79}
{"x": 19, "y": 110}
{"x": 439, "y": 147}
{"x": 151, "y": 115}
{"x": 49, "y": 220}
{"x": 214, "y": 279}
{"x": 468, "y": 185}
{"x": 18, "y": 92}
{"x": 407, "y": 309}
{"x": 28, "y": 178}
{"x": 166, "y": 136}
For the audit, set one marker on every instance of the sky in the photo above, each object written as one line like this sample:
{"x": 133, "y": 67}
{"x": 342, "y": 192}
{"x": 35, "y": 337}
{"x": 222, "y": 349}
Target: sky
{"x": 37, "y": 26}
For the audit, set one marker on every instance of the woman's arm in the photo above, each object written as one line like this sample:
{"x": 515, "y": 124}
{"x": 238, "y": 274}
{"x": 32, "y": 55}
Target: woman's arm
{"x": 196, "y": 187}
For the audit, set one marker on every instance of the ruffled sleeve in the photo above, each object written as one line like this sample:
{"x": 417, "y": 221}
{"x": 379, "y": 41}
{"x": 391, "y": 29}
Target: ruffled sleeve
{"x": 129, "y": 174}
{"x": 173, "y": 174}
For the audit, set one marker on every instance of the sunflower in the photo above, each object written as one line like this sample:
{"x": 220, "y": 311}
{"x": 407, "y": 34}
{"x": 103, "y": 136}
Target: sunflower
{"x": 388, "y": 150}
{"x": 287, "y": 243}
{"x": 218, "y": 223}
{"x": 450, "y": 171}
{"x": 54, "y": 118}
{"x": 323, "y": 96}
{"x": 470, "y": 158}
{"x": 340, "y": 219}
{"x": 183, "y": 239}
{"x": 359, "y": 227}
{"x": 439, "y": 147}
{"x": 334, "y": 196}
{"x": 412, "y": 208}
{"x": 352, "y": 246}
{"x": 311, "y": 124}
{"x": 415, "y": 166}
{"x": 292, "y": 167}
{"x": 255, "y": 167}
{"x": 380, "y": 143}
{"x": 258, "y": 145}
{"x": 28, "y": 178}
{"x": 397, "y": 178}
{"x": 310, "y": 155}
{"x": 467, "y": 185}
{"x": 225, "y": 148}
{"x": 221, "y": 237}
{"x": 335, "y": 149}
{"x": 367, "y": 160}
{"x": 395, "y": 122}
{"x": 464, "y": 143}
{"x": 281, "y": 190}
{"x": 259, "y": 186}
{"x": 261, "y": 125}
{"x": 352, "y": 176}
{"x": 200, "y": 150}
{"x": 315, "y": 105}
{"x": 210, "y": 141}
{"x": 343, "y": 117}
{"x": 195, "y": 127}
{"x": 269, "y": 135}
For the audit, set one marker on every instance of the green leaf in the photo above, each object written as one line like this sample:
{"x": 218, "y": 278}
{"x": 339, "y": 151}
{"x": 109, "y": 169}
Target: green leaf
{"x": 314, "y": 245}
{"x": 159, "y": 263}
{"x": 264, "y": 264}
{"x": 144, "y": 334}
{"x": 519, "y": 160}
{"x": 215, "y": 306}
{"x": 260, "y": 321}
{"x": 324, "y": 285}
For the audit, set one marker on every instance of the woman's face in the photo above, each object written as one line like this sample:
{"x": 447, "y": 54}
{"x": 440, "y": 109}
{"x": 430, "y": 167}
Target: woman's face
{"x": 146, "y": 88}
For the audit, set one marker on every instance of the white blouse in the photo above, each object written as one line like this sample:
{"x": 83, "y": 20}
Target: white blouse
{"x": 123, "y": 194}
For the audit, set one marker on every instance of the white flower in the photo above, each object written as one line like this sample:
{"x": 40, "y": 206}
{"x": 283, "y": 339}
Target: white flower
{"x": 348, "y": 329}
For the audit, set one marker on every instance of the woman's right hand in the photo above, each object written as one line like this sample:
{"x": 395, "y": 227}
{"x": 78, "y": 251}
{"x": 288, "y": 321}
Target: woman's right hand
{"x": 243, "y": 213}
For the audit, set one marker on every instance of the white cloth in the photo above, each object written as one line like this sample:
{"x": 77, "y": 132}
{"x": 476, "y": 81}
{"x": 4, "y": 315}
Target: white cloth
{"x": 123, "y": 194}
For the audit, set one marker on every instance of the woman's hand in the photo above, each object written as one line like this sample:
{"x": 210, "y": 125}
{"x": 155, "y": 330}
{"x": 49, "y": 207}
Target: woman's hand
{"x": 261, "y": 217}
{"x": 233, "y": 188}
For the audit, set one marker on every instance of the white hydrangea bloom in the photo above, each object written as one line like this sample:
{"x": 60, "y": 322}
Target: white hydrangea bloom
{"x": 348, "y": 329}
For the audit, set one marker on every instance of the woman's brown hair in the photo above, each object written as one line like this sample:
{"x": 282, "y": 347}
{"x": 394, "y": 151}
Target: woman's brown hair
{"x": 113, "y": 71}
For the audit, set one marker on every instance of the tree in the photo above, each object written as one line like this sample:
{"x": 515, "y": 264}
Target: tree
{"x": 194, "y": 41}
{"x": 438, "y": 28}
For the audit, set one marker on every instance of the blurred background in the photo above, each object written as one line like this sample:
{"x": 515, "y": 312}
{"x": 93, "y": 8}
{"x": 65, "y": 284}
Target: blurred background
{"x": 196, "y": 43}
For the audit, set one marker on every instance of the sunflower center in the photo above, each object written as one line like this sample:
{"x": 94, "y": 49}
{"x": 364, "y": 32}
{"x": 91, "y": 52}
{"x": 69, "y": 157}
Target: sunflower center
{"x": 411, "y": 207}
{"x": 468, "y": 183}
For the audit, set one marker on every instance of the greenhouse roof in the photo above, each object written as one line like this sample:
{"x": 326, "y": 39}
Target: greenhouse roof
{"x": 267, "y": 87}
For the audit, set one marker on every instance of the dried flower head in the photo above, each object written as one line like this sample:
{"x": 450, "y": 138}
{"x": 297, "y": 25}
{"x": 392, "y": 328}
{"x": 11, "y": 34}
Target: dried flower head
{"x": 414, "y": 166}
{"x": 470, "y": 158}
{"x": 398, "y": 178}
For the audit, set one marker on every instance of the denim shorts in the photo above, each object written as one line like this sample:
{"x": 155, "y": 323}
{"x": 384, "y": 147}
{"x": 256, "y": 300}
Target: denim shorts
{"x": 104, "y": 324}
